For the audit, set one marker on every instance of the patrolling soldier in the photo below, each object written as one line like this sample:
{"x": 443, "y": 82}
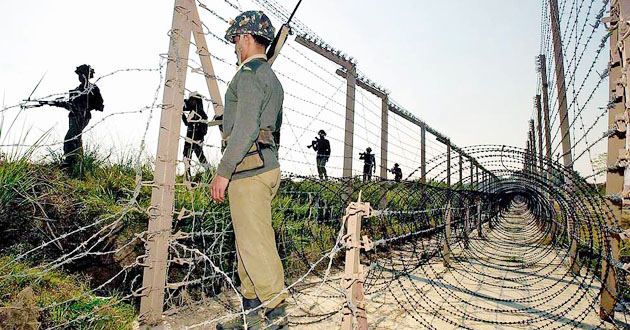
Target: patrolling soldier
{"x": 81, "y": 101}
{"x": 195, "y": 119}
{"x": 251, "y": 127}
{"x": 369, "y": 162}
{"x": 322, "y": 146}
{"x": 397, "y": 172}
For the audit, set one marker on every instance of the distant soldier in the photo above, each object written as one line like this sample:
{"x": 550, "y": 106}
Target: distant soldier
{"x": 397, "y": 172}
{"x": 369, "y": 163}
{"x": 322, "y": 146}
{"x": 81, "y": 101}
{"x": 196, "y": 121}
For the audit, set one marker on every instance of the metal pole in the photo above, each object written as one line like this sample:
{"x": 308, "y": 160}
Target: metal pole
{"x": 466, "y": 226}
{"x": 423, "y": 153}
{"x": 545, "y": 99}
{"x": 532, "y": 139}
{"x": 161, "y": 210}
{"x": 448, "y": 164}
{"x": 479, "y": 233}
{"x": 477, "y": 175}
{"x": 472, "y": 173}
{"x": 446, "y": 250}
{"x": 560, "y": 85}
{"x": 540, "y": 133}
{"x": 384, "y": 126}
{"x": 461, "y": 171}
{"x": 349, "y": 137}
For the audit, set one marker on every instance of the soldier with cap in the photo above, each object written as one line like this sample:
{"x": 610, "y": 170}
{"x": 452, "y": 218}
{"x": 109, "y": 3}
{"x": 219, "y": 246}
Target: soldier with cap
{"x": 397, "y": 172}
{"x": 251, "y": 127}
{"x": 322, "y": 146}
{"x": 83, "y": 99}
{"x": 196, "y": 121}
{"x": 369, "y": 163}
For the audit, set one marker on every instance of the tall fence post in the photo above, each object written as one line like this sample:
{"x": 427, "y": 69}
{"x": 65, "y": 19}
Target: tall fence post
{"x": 448, "y": 164}
{"x": 479, "y": 233}
{"x": 349, "y": 137}
{"x": 542, "y": 62}
{"x": 466, "y": 226}
{"x": 617, "y": 121}
{"x": 446, "y": 247}
{"x": 533, "y": 151}
{"x": 540, "y": 133}
{"x": 354, "y": 277}
{"x": 472, "y": 173}
{"x": 461, "y": 171}
{"x": 477, "y": 176}
{"x": 163, "y": 192}
{"x": 423, "y": 153}
{"x": 384, "y": 127}
{"x": 561, "y": 85}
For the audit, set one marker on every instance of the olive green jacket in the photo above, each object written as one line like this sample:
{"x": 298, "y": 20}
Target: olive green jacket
{"x": 253, "y": 101}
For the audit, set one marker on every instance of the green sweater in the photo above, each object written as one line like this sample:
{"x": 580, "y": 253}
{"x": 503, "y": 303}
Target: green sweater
{"x": 253, "y": 101}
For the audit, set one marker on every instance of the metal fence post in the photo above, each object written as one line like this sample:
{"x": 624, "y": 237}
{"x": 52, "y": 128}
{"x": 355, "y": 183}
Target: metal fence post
{"x": 446, "y": 248}
{"x": 561, "y": 85}
{"x": 423, "y": 153}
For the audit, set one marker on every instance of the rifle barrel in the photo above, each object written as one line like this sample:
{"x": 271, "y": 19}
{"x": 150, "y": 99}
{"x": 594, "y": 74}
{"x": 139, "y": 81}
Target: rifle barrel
{"x": 294, "y": 10}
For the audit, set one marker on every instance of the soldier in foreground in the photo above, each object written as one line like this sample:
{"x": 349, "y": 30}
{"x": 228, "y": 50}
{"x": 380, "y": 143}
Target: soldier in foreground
{"x": 251, "y": 126}
{"x": 369, "y": 162}
{"x": 322, "y": 146}
{"x": 195, "y": 119}
{"x": 397, "y": 171}
{"x": 81, "y": 101}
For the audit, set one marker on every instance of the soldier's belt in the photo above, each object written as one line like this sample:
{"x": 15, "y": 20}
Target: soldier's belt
{"x": 265, "y": 139}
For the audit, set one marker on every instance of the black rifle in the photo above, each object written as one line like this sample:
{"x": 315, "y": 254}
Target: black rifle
{"x": 281, "y": 38}
{"x": 36, "y": 104}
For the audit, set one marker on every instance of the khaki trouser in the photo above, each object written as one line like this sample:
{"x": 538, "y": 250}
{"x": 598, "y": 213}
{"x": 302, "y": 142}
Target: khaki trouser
{"x": 259, "y": 265}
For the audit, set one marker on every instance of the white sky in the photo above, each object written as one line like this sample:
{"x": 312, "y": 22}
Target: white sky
{"x": 465, "y": 67}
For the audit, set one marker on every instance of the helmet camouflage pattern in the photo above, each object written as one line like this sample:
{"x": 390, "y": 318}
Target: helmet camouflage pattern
{"x": 251, "y": 22}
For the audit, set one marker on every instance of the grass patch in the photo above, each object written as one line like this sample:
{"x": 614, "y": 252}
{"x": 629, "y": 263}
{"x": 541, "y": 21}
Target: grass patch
{"x": 58, "y": 300}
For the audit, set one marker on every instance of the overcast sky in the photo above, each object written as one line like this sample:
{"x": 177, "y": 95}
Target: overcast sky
{"x": 465, "y": 67}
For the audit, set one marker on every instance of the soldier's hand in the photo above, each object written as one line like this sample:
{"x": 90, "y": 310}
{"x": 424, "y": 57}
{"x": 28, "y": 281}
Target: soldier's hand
{"x": 217, "y": 188}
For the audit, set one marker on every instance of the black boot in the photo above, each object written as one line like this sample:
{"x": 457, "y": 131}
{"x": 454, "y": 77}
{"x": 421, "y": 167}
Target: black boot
{"x": 277, "y": 318}
{"x": 253, "y": 318}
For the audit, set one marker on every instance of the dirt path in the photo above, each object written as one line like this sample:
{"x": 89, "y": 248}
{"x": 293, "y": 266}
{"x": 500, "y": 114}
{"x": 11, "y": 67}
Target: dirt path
{"x": 503, "y": 281}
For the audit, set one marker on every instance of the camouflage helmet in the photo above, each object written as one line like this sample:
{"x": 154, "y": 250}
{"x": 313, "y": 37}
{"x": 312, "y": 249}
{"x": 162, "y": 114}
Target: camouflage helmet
{"x": 251, "y": 22}
{"x": 86, "y": 70}
{"x": 322, "y": 132}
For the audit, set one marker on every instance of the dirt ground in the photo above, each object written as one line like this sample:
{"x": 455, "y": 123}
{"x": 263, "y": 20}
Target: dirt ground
{"x": 502, "y": 281}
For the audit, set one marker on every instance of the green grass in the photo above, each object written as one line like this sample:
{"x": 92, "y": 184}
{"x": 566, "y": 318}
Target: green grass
{"x": 59, "y": 299}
